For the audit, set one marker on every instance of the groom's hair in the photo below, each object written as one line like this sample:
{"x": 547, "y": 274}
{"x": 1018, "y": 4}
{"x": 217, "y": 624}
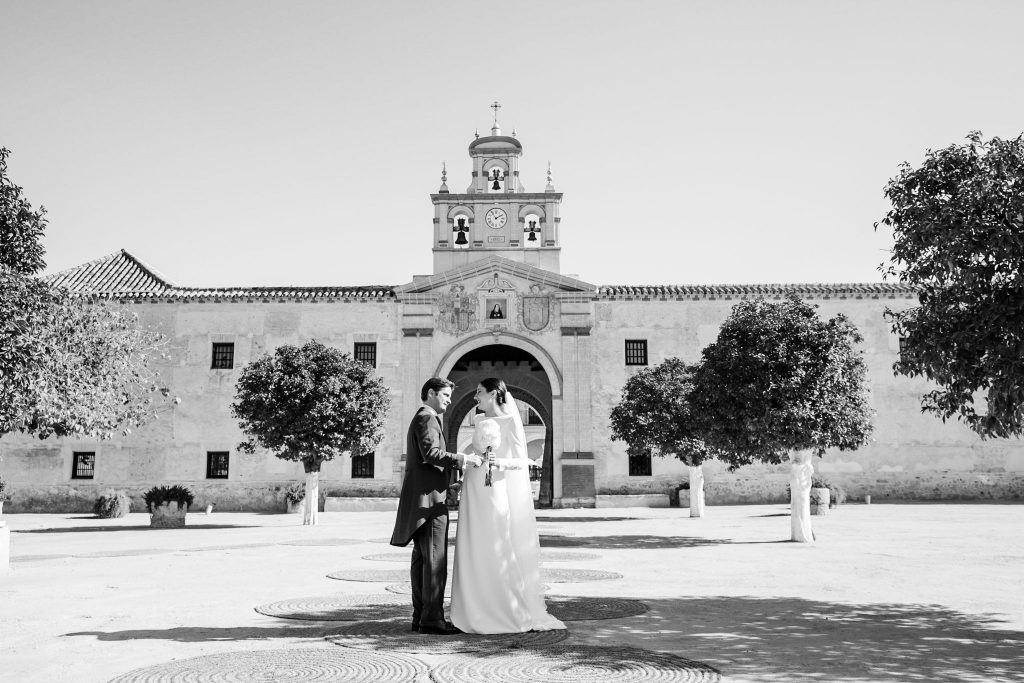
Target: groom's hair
{"x": 435, "y": 383}
{"x": 495, "y": 384}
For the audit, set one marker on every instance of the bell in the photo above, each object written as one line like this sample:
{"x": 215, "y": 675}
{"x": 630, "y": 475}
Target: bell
{"x": 532, "y": 237}
{"x": 494, "y": 177}
{"x": 461, "y": 224}
{"x": 461, "y": 239}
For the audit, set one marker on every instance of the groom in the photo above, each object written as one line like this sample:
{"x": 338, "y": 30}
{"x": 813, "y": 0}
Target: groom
{"x": 422, "y": 512}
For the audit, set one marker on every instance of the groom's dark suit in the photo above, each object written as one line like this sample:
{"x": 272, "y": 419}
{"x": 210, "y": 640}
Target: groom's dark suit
{"x": 423, "y": 515}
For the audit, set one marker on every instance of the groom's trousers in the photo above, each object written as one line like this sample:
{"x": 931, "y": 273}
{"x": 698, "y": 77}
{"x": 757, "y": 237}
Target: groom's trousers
{"x": 430, "y": 571}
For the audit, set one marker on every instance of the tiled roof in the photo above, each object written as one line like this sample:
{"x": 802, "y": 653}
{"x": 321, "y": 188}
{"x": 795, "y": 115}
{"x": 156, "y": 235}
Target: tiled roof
{"x": 122, "y": 276}
{"x": 119, "y": 273}
{"x": 868, "y": 289}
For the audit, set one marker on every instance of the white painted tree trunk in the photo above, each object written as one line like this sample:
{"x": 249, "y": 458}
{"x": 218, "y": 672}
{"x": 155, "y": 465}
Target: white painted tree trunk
{"x": 310, "y": 514}
{"x": 697, "y": 491}
{"x": 801, "y": 473}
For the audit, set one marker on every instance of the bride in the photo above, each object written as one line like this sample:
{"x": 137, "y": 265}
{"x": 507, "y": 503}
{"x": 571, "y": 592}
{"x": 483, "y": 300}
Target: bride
{"x": 496, "y": 587}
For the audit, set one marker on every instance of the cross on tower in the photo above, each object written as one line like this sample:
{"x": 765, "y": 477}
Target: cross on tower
{"x": 495, "y": 107}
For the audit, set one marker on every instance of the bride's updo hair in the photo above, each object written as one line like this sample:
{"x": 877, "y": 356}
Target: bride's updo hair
{"x": 496, "y": 385}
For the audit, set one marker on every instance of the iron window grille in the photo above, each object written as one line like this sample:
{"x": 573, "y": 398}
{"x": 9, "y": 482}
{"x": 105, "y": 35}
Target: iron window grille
{"x": 636, "y": 352}
{"x": 217, "y": 464}
{"x": 83, "y": 466}
{"x": 640, "y": 465}
{"x": 362, "y": 466}
{"x": 223, "y": 356}
{"x": 367, "y": 352}
{"x": 903, "y": 346}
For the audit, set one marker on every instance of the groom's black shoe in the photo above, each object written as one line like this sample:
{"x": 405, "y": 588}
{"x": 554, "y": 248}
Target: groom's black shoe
{"x": 447, "y": 630}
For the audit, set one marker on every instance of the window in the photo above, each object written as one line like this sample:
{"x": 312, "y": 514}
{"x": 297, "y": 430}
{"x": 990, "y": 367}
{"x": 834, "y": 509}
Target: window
{"x": 903, "y": 346}
{"x": 217, "y": 464}
{"x": 362, "y": 466}
{"x": 367, "y": 352}
{"x": 636, "y": 352}
{"x": 223, "y": 356}
{"x": 640, "y": 465}
{"x": 83, "y": 466}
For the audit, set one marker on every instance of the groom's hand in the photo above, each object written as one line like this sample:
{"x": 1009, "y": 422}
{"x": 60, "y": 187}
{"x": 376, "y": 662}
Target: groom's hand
{"x": 469, "y": 459}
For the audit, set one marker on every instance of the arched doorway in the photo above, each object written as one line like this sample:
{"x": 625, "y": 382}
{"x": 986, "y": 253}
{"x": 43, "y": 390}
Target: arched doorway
{"x": 526, "y": 380}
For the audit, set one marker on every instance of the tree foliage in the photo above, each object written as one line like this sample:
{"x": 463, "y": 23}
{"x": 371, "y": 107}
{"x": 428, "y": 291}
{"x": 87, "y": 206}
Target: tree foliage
{"x": 779, "y": 378}
{"x": 21, "y": 227}
{"x": 655, "y": 416}
{"x": 310, "y": 404}
{"x": 958, "y": 229}
{"x": 68, "y": 365}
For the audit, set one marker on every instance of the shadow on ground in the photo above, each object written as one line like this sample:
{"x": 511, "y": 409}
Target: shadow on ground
{"x": 792, "y": 639}
{"x": 134, "y": 527}
{"x": 197, "y": 634}
{"x": 764, "y": 639}
{"x": 589, "y": 519}
{"x": 634, "y": 542}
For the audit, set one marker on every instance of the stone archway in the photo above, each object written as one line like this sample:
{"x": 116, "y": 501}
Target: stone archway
{"x": 526, "y": 379}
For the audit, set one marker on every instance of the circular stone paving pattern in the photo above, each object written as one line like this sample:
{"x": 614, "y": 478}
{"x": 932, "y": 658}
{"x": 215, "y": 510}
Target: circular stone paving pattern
{"x": 344, "y": 607}
{"x": 386, "y": 575}
{"x": 395, "y": 636}
{"x": 574, "y": 575}
{"x": 323, "y": 541}
{"x": 293, "y": 664}
{"x": 582, "y": 664}
{"x": 574, "y": 608}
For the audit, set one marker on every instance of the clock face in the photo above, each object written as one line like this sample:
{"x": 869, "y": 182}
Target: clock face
{"x": 496, "y": 218}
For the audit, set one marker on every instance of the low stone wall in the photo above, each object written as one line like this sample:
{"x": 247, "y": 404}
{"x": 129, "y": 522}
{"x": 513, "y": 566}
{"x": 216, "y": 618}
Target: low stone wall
{"x": 227, "y": 497}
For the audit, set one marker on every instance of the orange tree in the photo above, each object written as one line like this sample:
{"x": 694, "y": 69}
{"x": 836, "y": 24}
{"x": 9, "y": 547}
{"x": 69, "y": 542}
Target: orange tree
{"x": 958, "y": 230}
{"x": 69, "y": 366}
{"x": 310, "y": 404}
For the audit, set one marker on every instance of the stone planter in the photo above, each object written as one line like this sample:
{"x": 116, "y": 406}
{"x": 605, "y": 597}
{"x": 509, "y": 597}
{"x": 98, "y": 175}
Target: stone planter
{"x": 819, "y": 501}
{"x": 291, "y": 508}
{"x": 169, "y": 515}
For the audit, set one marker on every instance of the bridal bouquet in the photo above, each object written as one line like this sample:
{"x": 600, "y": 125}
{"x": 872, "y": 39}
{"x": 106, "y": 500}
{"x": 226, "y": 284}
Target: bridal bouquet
{"x": 489, "y": 437}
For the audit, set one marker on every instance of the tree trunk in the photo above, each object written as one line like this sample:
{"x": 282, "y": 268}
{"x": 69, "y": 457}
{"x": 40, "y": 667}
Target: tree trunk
{"x": 310, "y": 514}
{"x": 801, "y": 472}
{"x": 697, "y": 491}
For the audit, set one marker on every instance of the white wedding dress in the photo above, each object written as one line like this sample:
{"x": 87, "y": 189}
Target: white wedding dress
{"x": 496, "y": 586}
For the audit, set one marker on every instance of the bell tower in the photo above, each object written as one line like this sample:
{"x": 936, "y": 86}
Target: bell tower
{"x": 496, "y": 216}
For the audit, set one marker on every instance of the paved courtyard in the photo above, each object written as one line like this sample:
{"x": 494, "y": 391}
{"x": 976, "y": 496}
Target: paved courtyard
{"x": 889, "y": 593}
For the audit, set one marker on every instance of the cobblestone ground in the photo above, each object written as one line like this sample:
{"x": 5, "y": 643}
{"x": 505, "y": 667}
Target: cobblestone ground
{"x": 888, "y": 593}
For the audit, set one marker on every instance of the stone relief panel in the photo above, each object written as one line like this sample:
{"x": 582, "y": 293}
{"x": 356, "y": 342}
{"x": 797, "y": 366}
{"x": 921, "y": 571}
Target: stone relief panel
{"x": 496, "y": 303}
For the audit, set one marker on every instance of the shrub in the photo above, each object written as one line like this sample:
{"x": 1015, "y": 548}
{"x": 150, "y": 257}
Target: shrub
{"x": 295, "y": 493}
{"x": 3, "y": 490}
{"x": 112, "y": 504}
{"x": 158, "y": 495}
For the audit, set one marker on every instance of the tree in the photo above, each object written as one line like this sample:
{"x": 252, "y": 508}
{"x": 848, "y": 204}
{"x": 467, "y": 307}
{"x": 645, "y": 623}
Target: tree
{"x": 654, "y": 416}
{"x": 310, "y": 404}
{"x": 21, "y": 227}
{"x": 779, "y": 379}
{"x": 69, "y": 366}
{"x": 958, "y": 230}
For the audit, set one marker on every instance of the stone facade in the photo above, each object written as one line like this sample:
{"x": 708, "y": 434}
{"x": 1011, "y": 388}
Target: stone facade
{"x": 559, "y": 343}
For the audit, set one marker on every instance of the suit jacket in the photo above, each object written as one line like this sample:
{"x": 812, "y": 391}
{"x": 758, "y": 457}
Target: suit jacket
{"x": 428, "y": 469}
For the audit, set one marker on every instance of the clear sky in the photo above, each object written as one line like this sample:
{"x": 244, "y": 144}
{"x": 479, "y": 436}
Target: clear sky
{"x": 296, "y": 142}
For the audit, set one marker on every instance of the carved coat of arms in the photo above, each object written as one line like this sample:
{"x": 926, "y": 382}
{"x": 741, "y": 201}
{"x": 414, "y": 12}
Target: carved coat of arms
{"x": 456, "y": 311}
{"x": 536, "y": 309}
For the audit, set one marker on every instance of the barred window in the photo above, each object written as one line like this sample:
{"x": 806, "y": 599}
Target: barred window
{"x": 362, "y": 466}
{"x": 223, "y": 356}
{"x": 217, "y": 464}
{"x": 903, "y": 346}
{"x": 640, "y": 465}
{"x": 636, "y": 352}
{"x": 367, "y": 352}
{"x": 83, "y": 466}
